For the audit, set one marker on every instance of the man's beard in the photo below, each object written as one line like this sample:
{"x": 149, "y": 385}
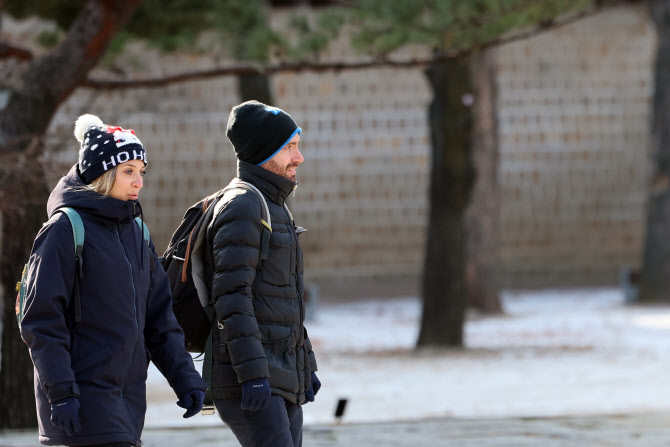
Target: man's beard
{"x": 275, "y": 168}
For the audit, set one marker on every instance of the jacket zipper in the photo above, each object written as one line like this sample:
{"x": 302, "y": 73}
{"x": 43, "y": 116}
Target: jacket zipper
{"x": 139, "y": 441}
{"x": 137, "y": 329}
{"x": 300, "y": 303}
{"x": 132, "y": 282}
{"x": 295, "y": 236}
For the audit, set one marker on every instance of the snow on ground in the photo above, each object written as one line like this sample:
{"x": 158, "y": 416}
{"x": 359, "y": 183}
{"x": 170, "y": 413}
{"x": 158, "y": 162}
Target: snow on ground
{"x": 578, "y": 352}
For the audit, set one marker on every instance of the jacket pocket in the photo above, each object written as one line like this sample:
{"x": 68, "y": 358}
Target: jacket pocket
{"x": 280, "y": 353}
{"x": 219, "y": 349}
{"x": 276, "y": 269}
{"x": 85, "y": 365}
{"x": 275, "y": 333}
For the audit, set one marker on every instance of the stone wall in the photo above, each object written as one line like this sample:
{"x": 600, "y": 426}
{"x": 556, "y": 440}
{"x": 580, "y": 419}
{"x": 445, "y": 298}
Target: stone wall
{"x": 362, "y": 193}
{"x": 573, "y": 109}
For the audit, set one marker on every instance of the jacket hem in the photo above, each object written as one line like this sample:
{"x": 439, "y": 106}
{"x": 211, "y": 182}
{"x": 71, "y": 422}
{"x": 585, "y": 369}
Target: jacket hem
{"x": 290, "y": 397}
{"x": 233, "y": 392}
{"x": 236, "y": 393}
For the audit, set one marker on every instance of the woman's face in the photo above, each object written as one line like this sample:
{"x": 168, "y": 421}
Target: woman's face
{"x": 128, "y": 180}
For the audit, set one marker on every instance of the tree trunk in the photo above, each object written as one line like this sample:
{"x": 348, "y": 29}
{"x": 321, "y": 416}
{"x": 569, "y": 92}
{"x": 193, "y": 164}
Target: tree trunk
{"x": 655, "y": 274}
{"x": 33, "y": 97}
{"x": 255, "y": 87}
{"x": 443, "y": 288}
{"x": 483, "y": 215}
{"x": 23, "y": 208}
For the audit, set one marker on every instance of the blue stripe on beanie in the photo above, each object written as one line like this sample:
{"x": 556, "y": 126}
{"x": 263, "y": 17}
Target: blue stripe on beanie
{"x": 297, "y": 131}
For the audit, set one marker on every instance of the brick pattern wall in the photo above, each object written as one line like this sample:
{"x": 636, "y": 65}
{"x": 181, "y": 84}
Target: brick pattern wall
{"x": 573, "y": 109}
{"x": 362, "y": 192}
{"x": 363, "y": 184}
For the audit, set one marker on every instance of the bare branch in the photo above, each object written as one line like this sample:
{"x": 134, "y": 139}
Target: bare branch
{"x": 336, "y": 67}
{"x": 7, "y": 51}
{"x": 245, "y": 70}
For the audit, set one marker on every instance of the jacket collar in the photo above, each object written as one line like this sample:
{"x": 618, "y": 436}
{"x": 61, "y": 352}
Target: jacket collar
{"x": 273, "y": 186}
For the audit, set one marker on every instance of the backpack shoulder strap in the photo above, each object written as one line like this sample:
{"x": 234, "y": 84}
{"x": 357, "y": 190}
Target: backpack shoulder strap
{"x": 145, "y": 229}
{"x": 78, "y": 234}
{"x": 266, "y": 220}
{"x": 77, "y": 228}
{"x": 147, "y": 238}
{"x": 289, "y": 212}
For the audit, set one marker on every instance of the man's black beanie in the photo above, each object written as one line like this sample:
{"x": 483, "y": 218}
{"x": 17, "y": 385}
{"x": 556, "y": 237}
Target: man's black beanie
{"x": 259, "y": 131}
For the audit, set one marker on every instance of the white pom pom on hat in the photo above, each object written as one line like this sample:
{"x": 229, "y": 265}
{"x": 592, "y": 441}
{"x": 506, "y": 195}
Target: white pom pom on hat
{"x": 85, "y": 122}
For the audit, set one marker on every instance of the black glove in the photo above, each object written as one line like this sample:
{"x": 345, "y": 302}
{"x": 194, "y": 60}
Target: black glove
{"x": 65, "y": 415}
{"x": 316, "y": 386}
{"x": 192, "y": 401}
{"x": 256, "y": 394}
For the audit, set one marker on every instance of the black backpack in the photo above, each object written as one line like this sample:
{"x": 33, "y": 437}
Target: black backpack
{"x": 182, "y": 261}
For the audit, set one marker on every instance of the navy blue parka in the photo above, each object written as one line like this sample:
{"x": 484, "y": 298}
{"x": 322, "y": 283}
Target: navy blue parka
{"x": 127, "y": 319}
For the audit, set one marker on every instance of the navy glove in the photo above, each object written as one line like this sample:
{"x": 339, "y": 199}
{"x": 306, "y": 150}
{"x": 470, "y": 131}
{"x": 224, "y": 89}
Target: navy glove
{"x": 256, "y": 394}
{"x": 192, "y": 401}
{"x": 316, "y": 386}
{"x": 65, "y": 415}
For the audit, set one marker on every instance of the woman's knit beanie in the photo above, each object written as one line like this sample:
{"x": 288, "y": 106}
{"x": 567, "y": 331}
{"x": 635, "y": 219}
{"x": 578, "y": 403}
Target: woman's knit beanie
{"x": 103, "y": 147}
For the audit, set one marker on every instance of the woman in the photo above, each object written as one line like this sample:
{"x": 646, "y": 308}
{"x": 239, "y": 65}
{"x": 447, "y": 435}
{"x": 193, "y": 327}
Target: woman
{"x": 91, "y": 339}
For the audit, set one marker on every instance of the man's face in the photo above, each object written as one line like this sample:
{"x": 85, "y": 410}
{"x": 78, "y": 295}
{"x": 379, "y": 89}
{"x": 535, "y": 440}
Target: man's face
{"x": 286, "y": 161}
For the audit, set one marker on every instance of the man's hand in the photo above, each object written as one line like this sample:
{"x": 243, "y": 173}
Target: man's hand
{"x": 316, "y": 386}
{"x": 65, "y": 415}
{"x": 256, "y": 394}
{"x": 192, "y": 401}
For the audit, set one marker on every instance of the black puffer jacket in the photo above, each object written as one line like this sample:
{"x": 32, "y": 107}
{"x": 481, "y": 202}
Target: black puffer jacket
{"x": 258, "y": 302}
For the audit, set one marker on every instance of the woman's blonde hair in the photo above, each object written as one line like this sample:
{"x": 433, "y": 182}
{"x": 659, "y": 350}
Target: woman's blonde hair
{"x": 104, "y": 184}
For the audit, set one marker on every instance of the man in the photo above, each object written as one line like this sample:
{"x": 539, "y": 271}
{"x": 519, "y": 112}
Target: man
{"x": 263, "y": 366}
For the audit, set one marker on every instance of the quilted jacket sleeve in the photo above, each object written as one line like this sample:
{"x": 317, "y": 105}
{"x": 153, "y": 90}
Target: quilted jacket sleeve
{"x": 236, "y": 234}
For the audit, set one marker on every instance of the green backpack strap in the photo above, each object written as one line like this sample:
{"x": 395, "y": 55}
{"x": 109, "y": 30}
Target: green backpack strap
{"x": 78, "y": 234}
{"x": 145, "y": 229}
{"x": 77, "y": 228}
{"x": 147, "y": 237}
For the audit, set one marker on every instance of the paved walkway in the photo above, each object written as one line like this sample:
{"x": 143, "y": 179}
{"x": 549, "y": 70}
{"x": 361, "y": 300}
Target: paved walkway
{"x": 645, "y": 430}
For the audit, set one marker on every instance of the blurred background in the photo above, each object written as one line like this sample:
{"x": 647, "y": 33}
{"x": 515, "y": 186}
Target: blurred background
{"x": 487, "y": 175}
